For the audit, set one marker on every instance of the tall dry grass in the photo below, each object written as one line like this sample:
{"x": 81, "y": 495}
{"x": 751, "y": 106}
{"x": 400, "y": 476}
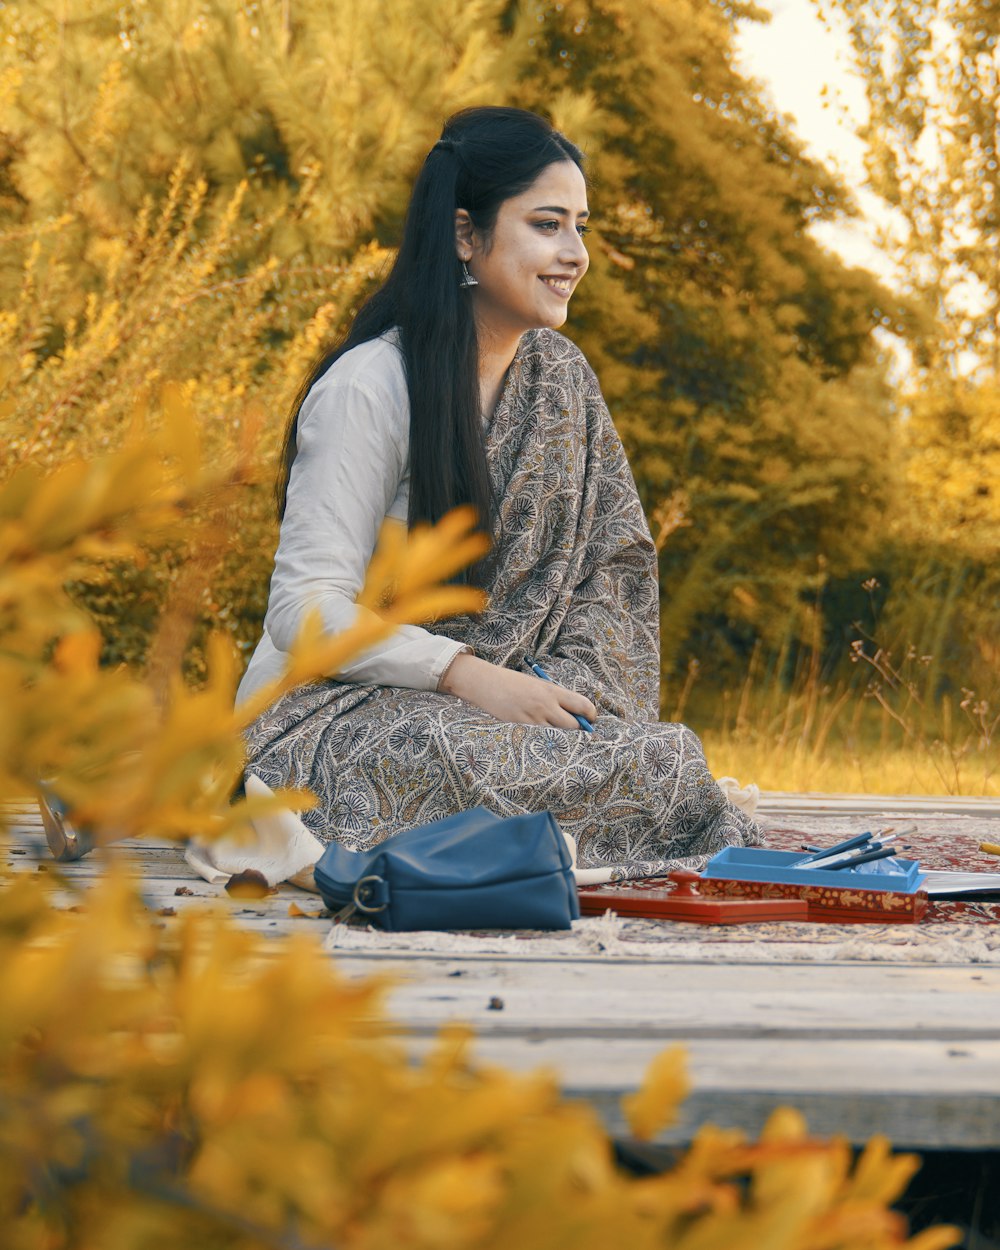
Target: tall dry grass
{"x": 870, "y": 730}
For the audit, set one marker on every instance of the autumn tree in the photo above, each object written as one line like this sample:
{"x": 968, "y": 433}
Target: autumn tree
{"x": 100, "y": 100}
{"x": 193, "y": 188}
{"x": 931, "y": 71}
{"x": 736, "y": 353}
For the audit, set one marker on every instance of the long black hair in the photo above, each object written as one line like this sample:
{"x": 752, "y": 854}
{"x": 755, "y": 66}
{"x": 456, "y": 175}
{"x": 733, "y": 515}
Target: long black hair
{"x": 484, "y": 157}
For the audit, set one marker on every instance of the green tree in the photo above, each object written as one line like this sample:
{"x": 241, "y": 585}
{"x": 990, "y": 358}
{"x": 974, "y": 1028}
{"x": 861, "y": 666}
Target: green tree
{"x": 931, "y": 71}
{"x": 737, "y": 352}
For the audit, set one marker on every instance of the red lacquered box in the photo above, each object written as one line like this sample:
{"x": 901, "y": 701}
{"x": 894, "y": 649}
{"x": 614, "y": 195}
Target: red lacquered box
{"x": 685, "y": 901}
{"x": 847, "y": 905}
{"x": 656, "y": 899}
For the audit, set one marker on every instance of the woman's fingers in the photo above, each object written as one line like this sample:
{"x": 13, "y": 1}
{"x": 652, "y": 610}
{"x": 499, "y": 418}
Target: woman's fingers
{"x": 578, "y": 704}
{"x": 564, "y": 720}
{"x": 570, "y": 706}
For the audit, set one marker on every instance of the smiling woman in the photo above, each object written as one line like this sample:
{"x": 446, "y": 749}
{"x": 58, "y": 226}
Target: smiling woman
{"x": 452, "y": 387}
{"x": 526, "y": 268}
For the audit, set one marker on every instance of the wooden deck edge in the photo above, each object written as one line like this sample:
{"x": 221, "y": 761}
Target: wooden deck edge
{"x": 782, "y": 803}
{"x": 918, "y": 1122}
{"x": 772, "y": 803}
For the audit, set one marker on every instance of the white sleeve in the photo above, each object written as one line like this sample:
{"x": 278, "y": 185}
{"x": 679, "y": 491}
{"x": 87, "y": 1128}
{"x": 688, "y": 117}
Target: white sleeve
{"x": 350, "y": 460}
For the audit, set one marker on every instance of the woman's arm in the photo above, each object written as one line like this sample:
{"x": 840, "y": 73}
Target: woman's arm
{"x": 512, "y": 696}
{"x": 350, "y": 461}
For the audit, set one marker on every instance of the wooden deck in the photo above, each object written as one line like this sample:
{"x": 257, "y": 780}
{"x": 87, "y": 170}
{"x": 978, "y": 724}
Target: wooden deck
{"x": 909, "y": 1049}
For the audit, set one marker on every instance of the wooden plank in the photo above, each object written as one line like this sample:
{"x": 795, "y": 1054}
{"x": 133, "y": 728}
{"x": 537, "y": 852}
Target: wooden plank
{"x": 683, "y": 1000}
{"x": 921, "y": 1094}
{"x": 924, "y": 1068}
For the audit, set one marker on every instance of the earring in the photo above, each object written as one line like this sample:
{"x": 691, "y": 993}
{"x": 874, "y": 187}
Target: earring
{"x": 467, "y": 279}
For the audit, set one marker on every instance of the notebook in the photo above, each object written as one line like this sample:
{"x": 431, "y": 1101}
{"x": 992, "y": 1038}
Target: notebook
{"x": 962, "y": 884}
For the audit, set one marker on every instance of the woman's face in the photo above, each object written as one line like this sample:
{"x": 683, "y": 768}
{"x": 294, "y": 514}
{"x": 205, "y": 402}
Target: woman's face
{"x": 530, "y": 264}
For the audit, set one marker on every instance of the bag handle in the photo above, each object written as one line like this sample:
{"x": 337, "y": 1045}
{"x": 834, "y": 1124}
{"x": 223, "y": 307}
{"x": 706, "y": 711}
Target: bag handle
{"x": 358, "y": 903}
{"x": 369, "y": 891}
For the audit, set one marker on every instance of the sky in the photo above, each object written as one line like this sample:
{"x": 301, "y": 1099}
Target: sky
{"x": 796, "y": 56}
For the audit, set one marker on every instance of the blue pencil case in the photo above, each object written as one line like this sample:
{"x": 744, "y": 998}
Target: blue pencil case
{"x": 753, "y": 863}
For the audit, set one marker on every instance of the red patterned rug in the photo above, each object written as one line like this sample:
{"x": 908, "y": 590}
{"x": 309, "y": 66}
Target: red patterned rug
{"x": 939, "y": 843}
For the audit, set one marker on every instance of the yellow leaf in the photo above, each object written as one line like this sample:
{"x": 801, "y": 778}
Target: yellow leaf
{"x": 436, "y": 603}
{"x": 935, "y": 1238}
{"x": 78, "y": 653}
{"x": 654, "y": 1104}
{"x": 297, "y": 913}
{"x": 249, "y": 884}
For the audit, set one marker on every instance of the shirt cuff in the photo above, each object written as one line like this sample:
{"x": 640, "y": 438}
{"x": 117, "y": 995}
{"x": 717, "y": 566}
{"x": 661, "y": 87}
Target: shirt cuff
{"x": 447, "y": 659}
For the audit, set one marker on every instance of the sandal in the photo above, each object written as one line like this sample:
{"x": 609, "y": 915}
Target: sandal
{"x": 65, "y": 842}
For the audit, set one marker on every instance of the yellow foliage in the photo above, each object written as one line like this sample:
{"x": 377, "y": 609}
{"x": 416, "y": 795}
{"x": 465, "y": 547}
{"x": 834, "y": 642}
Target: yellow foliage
{"x": 953, "y": 466}
{"x": 184, "y": 294}
{"x": 124, "y": 764}
{"x": 190, "y": 1087}
{"x": 184, "y": 1086}
{"x": 654, "y": 1105}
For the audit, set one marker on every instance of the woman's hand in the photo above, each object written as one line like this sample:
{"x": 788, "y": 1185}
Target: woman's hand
{"x": 512, "y": 696}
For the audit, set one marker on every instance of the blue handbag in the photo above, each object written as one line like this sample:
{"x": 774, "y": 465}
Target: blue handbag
{"x": 474, "y": 870}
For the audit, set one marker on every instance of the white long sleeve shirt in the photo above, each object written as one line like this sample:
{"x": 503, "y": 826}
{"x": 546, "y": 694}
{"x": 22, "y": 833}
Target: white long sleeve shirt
{"x": 350, "y": 474}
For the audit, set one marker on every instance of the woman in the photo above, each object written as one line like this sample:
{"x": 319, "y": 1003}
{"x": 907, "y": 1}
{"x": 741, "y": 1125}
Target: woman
{"x": 452, "y": 387}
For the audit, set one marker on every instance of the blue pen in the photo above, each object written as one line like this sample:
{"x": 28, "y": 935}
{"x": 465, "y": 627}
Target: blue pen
{"x": 537, "y": 669}
{"x": 851, "y": 857}
{"x": 840, "y": 847}
{"x": 846, "y": 857}
{"x": 884, "y": 852}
